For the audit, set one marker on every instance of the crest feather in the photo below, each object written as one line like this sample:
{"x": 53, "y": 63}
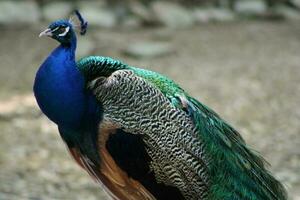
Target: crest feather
{"x": 79, "y": 22}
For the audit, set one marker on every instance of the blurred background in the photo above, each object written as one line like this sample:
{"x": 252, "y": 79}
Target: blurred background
{"x": 240, "y": 57}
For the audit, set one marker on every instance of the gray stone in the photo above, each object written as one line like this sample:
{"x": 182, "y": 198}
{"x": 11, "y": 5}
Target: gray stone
{"x": 296, "y": 2}
{"x": 19, "y": 12}
{"x": 57, "y": 10}
{"x": 148, "y": 49}
{"x": 251, "y": 7}
{"x": 98, "y": 14}
{"x": 171, "y": 14}
{"x": 287, "y": 13}
{"x": 102, "y": 18}
{"x": 288, "y": 176}
{"x": 141, "y": 11}
{"x": 213, "y": 14}
{"x": 85, "y": 47}
{"x": 90, "y": 3}
{"x": 202, "y": 15}
{"x": 131, "y": 22}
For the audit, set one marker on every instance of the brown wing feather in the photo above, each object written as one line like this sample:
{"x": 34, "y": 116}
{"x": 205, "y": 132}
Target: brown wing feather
{"x": 114, "y": 180}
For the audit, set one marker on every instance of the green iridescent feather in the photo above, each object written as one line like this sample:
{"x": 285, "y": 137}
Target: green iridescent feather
{"x": 236, "y": 171}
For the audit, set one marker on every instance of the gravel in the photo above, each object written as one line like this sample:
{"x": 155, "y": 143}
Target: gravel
{"x": 248, "y": 72}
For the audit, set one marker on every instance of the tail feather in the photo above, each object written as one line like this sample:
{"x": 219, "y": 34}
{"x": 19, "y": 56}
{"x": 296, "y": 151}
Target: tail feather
{"x": 236, "y": 171}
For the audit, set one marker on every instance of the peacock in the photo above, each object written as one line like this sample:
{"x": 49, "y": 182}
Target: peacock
{"x": 139, "y": 134}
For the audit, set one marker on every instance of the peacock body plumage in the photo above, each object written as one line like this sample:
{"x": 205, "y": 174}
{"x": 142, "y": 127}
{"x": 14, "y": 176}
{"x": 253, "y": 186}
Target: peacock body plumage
{"x": 142, "y": 136}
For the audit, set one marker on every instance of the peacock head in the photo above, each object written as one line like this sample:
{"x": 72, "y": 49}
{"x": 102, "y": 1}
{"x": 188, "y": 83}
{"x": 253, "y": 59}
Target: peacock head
{"x": 64, "y": 30}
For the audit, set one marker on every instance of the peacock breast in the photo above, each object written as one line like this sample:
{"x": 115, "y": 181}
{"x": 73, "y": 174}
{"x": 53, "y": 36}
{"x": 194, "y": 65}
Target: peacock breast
{"x": 59, "y": 91}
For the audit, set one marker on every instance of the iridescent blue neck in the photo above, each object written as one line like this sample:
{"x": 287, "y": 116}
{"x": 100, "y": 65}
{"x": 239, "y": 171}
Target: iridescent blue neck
{"x": 59, "y": 87}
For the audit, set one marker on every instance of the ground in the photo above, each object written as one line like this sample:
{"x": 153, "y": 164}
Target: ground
{"x": 248, "y": 72}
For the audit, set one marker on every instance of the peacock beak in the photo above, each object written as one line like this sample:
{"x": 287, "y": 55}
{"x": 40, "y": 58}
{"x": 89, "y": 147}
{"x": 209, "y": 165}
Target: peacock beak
{"x": 47, "y": 32}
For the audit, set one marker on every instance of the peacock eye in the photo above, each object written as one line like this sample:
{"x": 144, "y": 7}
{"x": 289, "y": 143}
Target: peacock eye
{"x": 61, "y": 30}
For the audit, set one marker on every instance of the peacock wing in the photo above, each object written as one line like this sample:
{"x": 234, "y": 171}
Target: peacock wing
{"x": 116, "y": 182}
{"x": 138, "y": 106}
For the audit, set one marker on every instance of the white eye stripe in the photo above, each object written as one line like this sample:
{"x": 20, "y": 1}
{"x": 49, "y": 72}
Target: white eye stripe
{"x": 65, "y": 33}
{"x": 55, "y": 29}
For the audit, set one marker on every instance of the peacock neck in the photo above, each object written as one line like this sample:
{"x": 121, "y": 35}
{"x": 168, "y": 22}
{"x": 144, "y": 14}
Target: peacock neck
{"x": 59, "y": 87}
{"x": 69, "y": 48}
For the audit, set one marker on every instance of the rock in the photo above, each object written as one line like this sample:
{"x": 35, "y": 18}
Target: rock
{"x": 90, "y": 3}
{"x": 148, "y": 49}
{"x": 131, "y": 22}
{"x": 287, "y": 13}
{"x": 101, "y": 18}
{"x": 19, "y": 12}
{"x": 86, "y": 47}
{"x": 296, "y": 2}
{"x": 202, "y": 15}
{"x": 213, "y": 14}
{"x": 57, "y": 10}
{"x": 288, "y": 177}
{"x": 98, "y": 15}
{"x": 141, "y": 11}
{"x": 223, "y": 3}
{"x": 171, "y": 14}
{"x": 251, "y": 7}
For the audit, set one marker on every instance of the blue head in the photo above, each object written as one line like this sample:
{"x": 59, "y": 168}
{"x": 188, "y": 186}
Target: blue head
{"x": 64, "y": 30}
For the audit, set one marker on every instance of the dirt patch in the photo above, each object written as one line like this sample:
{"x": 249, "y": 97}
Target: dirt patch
{"x": 247, "y": 72}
